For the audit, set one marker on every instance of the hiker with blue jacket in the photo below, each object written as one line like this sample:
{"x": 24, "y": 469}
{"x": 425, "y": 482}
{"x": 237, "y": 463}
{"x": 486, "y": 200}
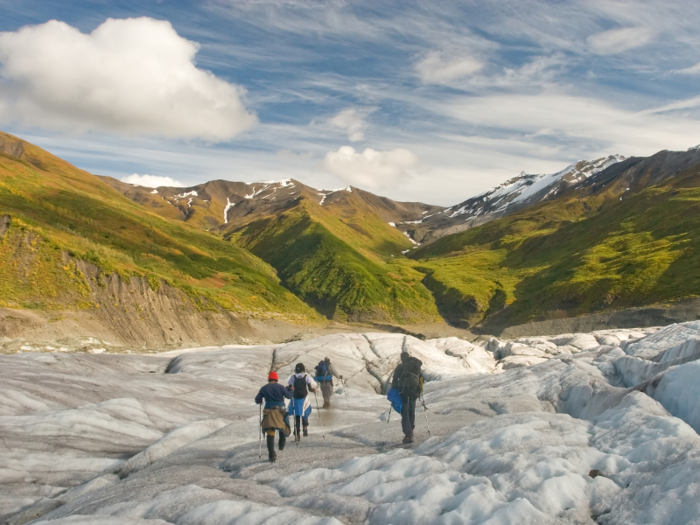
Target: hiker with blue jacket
{"x": 301, "y": 384}
{"x": 324, "y": 377}
{"x": 275, "y": 413}
{"x": 408, "y": 382}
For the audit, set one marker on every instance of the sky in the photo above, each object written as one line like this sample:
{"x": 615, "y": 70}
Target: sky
{"x": 414, "y": 100}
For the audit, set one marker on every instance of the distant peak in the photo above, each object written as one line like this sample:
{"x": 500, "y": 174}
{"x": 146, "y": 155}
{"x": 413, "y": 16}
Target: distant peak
{"x": 346, "y": 188}
{"x": 694, "y": 148}
{"x": 262, "y": 187}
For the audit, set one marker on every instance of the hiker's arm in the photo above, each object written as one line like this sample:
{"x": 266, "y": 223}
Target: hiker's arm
{"x": 312, "y": 384}
{"x": 288, "y": 392}
{"x": 259, "y": 397}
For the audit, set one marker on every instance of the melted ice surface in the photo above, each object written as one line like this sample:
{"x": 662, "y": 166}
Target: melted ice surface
{"x": 577, "y": 428}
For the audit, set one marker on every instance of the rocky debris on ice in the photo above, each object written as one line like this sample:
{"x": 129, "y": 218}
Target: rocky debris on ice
{"x": 516, "y": 429}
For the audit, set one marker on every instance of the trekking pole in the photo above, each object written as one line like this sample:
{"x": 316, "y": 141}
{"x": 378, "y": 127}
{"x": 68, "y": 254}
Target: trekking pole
{"x": 346, "y": 391}
{"x": 323, "y": 433}
{"x": 260, "y": 434}
{"x": 425, "y": 411}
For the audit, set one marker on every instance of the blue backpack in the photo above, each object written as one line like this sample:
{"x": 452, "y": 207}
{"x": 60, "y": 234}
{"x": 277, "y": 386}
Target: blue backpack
{"x": 322, "y": 372}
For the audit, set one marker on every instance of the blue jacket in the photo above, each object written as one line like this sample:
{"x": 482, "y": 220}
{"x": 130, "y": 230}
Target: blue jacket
{"x": 274, "y": 395}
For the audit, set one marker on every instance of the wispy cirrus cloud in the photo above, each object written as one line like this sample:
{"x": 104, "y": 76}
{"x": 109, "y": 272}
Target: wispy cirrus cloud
{"x": 439, "y": 67}
{"x": 692, "y": 70}
{"x": 621, "y": 40}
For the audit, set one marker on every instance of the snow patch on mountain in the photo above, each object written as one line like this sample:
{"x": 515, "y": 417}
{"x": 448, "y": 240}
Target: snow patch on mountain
{"x": 524, "y": 187}
{"x": 267, "y": 185}
{"x": 410, "y": 238}
{"x": 185, "y": 195}
{"x": 229, "y": 205}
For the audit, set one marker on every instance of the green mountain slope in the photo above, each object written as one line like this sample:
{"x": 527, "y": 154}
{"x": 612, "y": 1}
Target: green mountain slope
{"x": 591, "y": 250}
{"x": 342, "y": 259}
{"x": 65, "y": 232}
{"x": 336, "y": 250}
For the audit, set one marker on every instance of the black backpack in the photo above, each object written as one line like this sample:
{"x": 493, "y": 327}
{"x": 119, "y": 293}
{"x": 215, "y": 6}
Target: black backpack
{"x": 300, "y": 388}
{"x": 409, "y": 380}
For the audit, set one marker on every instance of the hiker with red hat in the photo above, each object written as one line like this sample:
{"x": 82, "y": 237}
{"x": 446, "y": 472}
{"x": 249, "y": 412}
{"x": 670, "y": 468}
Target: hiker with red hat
{"x": 275, "y": 412}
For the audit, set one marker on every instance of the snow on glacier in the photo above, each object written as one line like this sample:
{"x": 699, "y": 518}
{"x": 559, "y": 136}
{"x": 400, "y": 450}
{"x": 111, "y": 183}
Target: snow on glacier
{"x": 575, "y": 428}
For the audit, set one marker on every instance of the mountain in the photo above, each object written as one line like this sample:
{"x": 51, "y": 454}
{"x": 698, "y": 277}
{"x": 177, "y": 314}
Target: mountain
{"x": 204, "y": 262}
{"x": 338, "y": 250}
{"x": 71, "y": 244}
{"x": 621, "y": 238}
{"x": 341, "y": 251}
{"x": 506, "y": 198}
{"x": 214, "y": 204}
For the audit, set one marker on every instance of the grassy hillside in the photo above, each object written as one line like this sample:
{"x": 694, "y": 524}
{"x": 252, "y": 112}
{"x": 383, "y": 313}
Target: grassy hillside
{"x": 334, "y": 249}
{"x": 60, "y": 215}
{"x": 572, "y": 256}
{"x": 343, "y": 260}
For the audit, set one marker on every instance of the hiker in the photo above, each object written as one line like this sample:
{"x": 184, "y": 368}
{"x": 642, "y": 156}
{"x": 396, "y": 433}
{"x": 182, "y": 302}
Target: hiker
{"x": 324, "y": 377}
{"x": 276, "y": 417}
{"x": 408, "y": 382}
{"x": 300, "y": 406}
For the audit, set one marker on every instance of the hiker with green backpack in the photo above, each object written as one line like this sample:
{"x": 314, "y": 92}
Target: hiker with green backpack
{"x": 408, "y": 382}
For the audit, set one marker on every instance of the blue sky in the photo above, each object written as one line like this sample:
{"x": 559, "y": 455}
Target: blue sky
{"x": 415, "y": 100}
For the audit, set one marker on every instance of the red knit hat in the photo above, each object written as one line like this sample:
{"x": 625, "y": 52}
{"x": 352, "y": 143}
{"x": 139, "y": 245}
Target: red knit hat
{"x": 273, "y": 375}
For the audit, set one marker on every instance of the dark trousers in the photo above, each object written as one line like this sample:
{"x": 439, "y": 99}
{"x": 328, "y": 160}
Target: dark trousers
{"x": 299, "y": 421}
{"x": 270, "y": 434}
{"x": 408, "y": 415}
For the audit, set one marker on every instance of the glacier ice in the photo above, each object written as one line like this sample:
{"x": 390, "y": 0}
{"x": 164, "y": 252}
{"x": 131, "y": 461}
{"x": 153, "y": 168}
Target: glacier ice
{"x": 575, "y": 428}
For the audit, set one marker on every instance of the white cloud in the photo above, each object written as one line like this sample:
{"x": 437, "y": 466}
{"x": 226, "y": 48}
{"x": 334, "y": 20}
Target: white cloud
{"x": 619, "y": 40}
{"x": 151, "y": 181}
{"x": 692, "y": 70}
{"x": 133, "y": 76}
{"x": 370, "y": 169}
{"x": 352, "y": 120}
{"x": 439, "y": 67}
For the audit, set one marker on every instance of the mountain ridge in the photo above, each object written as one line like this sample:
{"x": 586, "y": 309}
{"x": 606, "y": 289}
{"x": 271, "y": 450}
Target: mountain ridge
{"x": 609, "y": 237}
{"x": 608, "y": 244}
{"x": 504, "y": 199}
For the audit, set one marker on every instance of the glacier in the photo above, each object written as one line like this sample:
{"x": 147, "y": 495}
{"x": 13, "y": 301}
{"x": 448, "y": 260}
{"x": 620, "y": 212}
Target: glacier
{"x": 575, "y": 428}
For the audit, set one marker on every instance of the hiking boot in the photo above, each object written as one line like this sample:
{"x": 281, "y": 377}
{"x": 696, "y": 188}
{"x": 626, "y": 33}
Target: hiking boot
{"x": 306, "y": 431}
{"x": 408, "y": 439}
{"x": 326, "y": 404}
{"x": 283, "y": 441}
